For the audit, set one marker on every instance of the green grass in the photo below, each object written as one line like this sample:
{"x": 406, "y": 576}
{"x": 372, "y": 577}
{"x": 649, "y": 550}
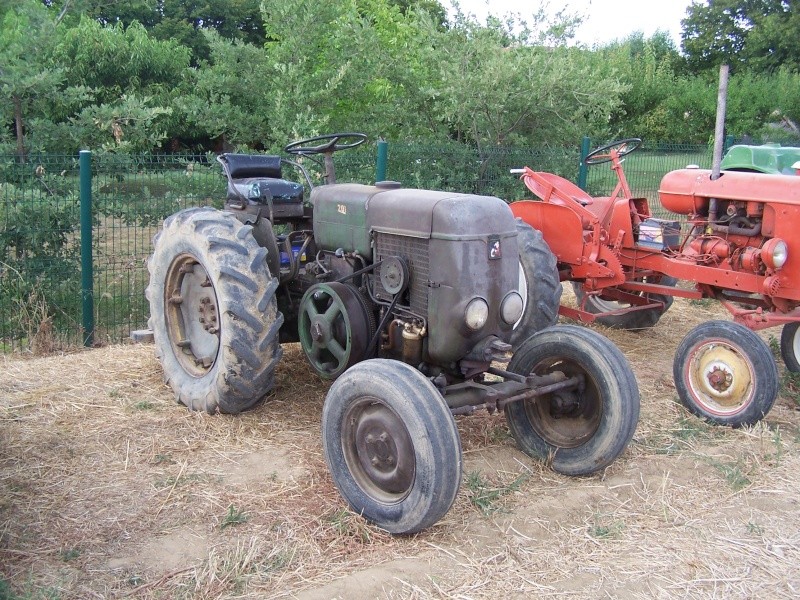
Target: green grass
{"x": 754, "y": 529}
{"x": 790, "y": 387}
{"x": 233, "y": 517}
{"x": 484, "y": 496}
{"x": 734, "y": 474}
{"x": 30, "y": 592}
{"x": 144, "y": 405}
{"x": 605, "y": 528}
{"x": 347, "y": 524}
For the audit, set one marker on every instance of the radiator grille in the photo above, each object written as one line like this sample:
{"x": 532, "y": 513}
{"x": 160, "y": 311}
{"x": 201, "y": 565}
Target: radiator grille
{"x": 415, "y": 252}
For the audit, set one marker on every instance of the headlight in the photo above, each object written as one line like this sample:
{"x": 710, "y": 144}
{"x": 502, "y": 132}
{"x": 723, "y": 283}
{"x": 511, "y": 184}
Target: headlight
{"x": 774, "y": 253}
{"x": 476, "y": 314}
{"x": 511, "y": 308}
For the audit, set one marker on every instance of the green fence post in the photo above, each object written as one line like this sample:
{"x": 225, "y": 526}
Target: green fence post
{"x": 726, "y": 145}
{"x": 583, "y": 169}
{"x": 383, "y": 156}
{"x": 87, "y": 267}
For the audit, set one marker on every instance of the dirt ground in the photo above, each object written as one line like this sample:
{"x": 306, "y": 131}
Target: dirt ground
{"x": 108, "y": 489}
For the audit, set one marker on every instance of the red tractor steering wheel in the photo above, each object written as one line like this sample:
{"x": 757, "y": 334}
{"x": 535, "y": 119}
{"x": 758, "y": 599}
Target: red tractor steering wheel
{"x": 606, "y": 153}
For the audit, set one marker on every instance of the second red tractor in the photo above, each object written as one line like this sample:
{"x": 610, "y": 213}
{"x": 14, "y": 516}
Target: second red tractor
{"x": 736, "y": 241}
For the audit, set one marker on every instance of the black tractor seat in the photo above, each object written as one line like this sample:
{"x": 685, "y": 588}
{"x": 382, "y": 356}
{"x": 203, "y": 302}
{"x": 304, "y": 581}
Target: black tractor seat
{"x": 255, "y": 180}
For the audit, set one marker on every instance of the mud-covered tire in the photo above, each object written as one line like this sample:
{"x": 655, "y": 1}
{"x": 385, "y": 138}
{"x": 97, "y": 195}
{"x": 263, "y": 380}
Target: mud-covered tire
{"x": 638, "y": 319}
{"x": 725, "y": 374}
{"x": 589, "y": 436}
{"x": 538, "y": 284}
{"x": 391, "y": 445}
{"x": 213, "y": 311}
{"x": 790, "y": 346}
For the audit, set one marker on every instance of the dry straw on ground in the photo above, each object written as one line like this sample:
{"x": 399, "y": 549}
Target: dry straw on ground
{"x": 108, "y": 489}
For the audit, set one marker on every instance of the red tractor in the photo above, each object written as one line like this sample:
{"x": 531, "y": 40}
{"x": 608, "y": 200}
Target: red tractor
{"x": 738, "y": 244}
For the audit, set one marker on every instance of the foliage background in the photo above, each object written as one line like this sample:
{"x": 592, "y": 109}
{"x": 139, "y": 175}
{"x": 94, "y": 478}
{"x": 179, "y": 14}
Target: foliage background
{"x": 170, "y": 75}
{"x": 154, "y": 86}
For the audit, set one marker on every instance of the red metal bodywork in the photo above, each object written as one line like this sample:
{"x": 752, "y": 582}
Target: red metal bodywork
{"x": 597, "y": 240}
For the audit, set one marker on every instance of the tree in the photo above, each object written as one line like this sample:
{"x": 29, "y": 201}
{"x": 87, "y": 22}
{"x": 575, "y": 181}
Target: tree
{"x": 353, "y": 64}
{"x": 134, "y": 80}
{"x": 230, "y": 94}
{"x": 499, "y": 88}
{"x": 181, "y": 21}
{"x": 772, "y": 44}
{"x": 748, "y": 34}
{"x": 25, "y": 75}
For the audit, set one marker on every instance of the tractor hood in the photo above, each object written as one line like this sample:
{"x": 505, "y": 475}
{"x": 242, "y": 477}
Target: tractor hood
{"x": 345, "y": 215}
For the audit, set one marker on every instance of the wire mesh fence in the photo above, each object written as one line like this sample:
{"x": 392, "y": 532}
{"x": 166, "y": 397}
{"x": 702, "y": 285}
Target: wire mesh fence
{"x": 40, "y": 228}
{"x": 644, "y": 169}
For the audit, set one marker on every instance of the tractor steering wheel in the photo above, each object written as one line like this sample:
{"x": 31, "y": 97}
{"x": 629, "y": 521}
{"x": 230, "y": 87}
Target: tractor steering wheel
{"x": 620, "y": 148}
{"x": 330, "y": 143}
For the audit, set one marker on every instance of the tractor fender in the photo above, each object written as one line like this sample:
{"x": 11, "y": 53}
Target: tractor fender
{"x": 561, "y": 227}
{"x": 563, "y": 231}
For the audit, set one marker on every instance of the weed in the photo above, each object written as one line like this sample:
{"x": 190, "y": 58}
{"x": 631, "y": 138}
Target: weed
{"x": 790, "y": 387}
{"x": 179, "y": 481}
{"x": 733, "y": 473}
{"x": 234, "y": 517}
{"x": 498, "y": 434}
{"x": 348, "y": 524}
{"x": 484, "y": 496}
{"x": 68, "y": 554}
{"x": 689, "y": 429}
{"x": 278, "y": 562}
{"x": 163, "y": 459}
{"x": 754, "y": 528}
{"x": 774, "y": 346}
{"x": 603, "y": 530}
{"x": 144, "y": 405}
{"x": 30, "y": 592}
{"x": 607, "y": 532}
{"x": 702, "y": 302}
{"x": 777, "y": 440}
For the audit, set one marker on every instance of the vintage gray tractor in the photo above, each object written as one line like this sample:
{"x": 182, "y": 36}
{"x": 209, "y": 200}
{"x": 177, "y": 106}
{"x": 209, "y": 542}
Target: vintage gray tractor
{"x": 410, "y": 300}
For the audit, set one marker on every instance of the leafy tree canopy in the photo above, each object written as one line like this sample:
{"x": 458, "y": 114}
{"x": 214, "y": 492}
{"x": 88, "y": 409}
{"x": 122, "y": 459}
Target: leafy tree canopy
{"x": 747, "y": 34}
{"x": 182, "y": 21}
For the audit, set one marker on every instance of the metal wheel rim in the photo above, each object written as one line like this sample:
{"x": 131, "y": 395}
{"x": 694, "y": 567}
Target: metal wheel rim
{"x": 796, "y": 344}
{"x": 720, "y": 378}
{"x": 192, "y": 315}
{"x": 575, "y": 428}
{"x": 378, "y": 450}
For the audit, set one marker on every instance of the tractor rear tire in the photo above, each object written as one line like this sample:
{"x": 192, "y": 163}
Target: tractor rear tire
{"x": 638, "y": 319}
{"x": 539, "y": 284}
{"x": 725, "y": 374}
{"x": 601, "y": 416}
{"x": 213, "y": 311}
{"x": 790, "y": 346}
{"x": 391, "y": 445}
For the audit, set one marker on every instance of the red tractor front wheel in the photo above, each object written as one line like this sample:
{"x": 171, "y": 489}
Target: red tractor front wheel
{"x": 725, "y": 373}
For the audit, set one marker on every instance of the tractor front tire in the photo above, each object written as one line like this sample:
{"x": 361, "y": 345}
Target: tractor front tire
{"x": 581, "y": 431}
{"x": 538, "y": 284}
{"x": 391, "y": 445}
{"x": 725, "y": 374}
{"x": 213, "y": 311}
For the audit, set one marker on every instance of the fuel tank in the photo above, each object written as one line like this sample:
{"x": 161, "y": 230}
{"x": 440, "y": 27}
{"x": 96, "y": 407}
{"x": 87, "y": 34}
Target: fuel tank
{"x": 687, "y": 191}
